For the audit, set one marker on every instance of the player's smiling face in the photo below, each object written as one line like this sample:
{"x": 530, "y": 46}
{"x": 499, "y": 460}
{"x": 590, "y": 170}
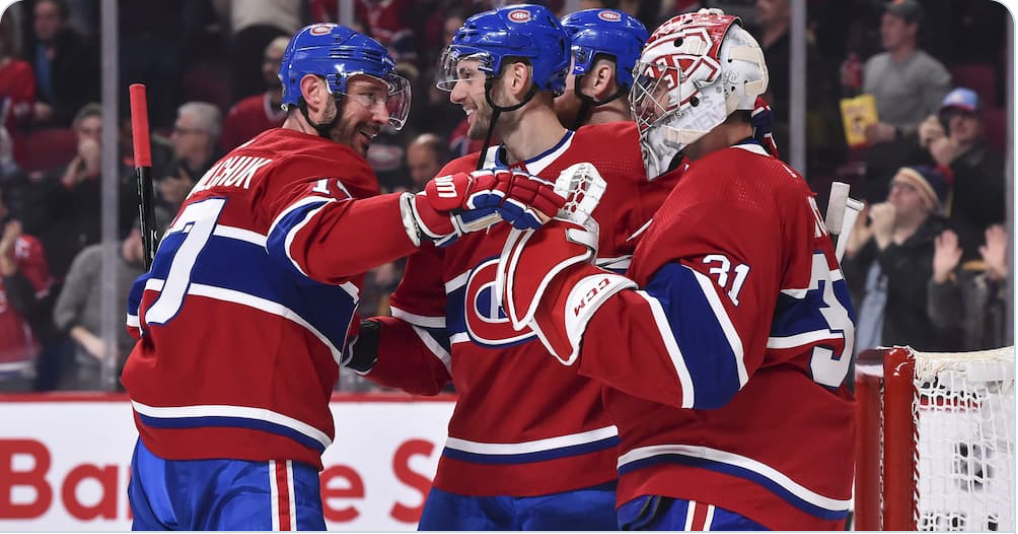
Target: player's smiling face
{"x": 469, "y": 93}
{"x": 363, "y": 114}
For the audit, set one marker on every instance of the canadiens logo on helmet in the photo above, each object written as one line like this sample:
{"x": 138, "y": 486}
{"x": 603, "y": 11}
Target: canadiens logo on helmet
{"x": 519, "y": 15}
{"x": 321, "y": 29}
{"x": 609, "y": 16}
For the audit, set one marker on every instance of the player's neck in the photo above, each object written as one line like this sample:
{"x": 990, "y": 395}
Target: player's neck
{"x": 538, "y": 131}
{"x": 615, "y": 111}
{"x": 721, "y": 137}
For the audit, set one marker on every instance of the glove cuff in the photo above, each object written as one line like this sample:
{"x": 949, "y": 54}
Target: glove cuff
{"x": 531, "y": 260}
{"x": 586, "y": 289}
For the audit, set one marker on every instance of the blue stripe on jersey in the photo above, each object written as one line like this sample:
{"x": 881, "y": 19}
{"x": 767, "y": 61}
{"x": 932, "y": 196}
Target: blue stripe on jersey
{"x": 327, "y": 308}
{"x": 736, "y": 471}
{"x": 796, "y": 316}
{"x": 137, "y": 290}
{"x": 276, "y": 242}
{"x": 232, "y": 422}
{"x": 698, "y": 334}
{"x": 530, "y": 457}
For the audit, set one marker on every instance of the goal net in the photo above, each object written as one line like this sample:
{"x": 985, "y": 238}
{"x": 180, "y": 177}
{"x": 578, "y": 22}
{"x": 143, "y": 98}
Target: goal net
{"x": 936, "y": 441}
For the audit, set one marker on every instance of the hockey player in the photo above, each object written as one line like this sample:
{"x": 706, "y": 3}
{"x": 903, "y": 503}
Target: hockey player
{"x": 605, "y": 46}
{"x": 726, "y": 349}
{"x": 244, "y": 315}
{"x": 530, "y": 447}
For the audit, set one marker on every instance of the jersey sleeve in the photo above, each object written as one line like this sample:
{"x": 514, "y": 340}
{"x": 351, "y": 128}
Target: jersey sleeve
{"x": 413, "y": 348}
{"x": 697, "y": 329}
{"x": 325, "y": 229}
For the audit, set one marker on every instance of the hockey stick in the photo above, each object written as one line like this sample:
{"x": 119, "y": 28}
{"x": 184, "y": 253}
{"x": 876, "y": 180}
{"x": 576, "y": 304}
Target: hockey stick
{"x": 143, "y": 171}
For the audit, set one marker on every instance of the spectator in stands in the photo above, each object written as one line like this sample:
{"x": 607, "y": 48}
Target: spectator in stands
{"x": 823, "y": 128}
{"x": 955, "y": 141}
{"x": 908, "y": 85}
{"x": 78, "y": 311}
{"x": 67, "y": 199}
{"x": 195, "y": 140}
{"x": 66, "y": 66}
{"x": 254, "y": 24}
{"x": 13, "y": 178}
{"x": 257, "y": 113}
{"x": 24, "y": 286}
{"x": 889, "y": 262}
{"x": 425, "y": 156}
{"x": 970, "y": 301}
{"x": 388, "y": 23}
{"x": 17, "y": 82}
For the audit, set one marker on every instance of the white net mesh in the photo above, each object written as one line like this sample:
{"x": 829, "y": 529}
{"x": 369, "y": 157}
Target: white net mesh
{"x": 965, "y": 419}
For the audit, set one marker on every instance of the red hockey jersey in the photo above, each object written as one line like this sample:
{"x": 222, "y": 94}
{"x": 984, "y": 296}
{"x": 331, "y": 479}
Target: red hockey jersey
{"x": 18, "y": 347}
{"x": 248, "y": 118}
{"x": 245, "y": 312}
{"x": 523, "y": 425}
{"x": 738, "y": 346}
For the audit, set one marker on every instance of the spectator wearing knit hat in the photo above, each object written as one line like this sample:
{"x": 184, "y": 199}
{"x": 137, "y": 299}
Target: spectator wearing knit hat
{"x": 889, "y": 260}
{"x": 955, "y": 141}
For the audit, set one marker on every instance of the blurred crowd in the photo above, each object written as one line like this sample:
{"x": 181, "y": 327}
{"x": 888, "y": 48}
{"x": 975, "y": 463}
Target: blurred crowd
{"x": 927, "y": 262}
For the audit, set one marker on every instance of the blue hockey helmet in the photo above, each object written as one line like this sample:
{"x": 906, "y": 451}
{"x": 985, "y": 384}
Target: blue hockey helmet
{"x": 609, "y": 32}
{"x": 519, "y": 31}
{"x": 337, "y": 54}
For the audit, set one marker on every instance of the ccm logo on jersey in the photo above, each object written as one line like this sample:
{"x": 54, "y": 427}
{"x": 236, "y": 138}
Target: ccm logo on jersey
{"x": 487, "y": 323}
{"x": 519, "y": 15}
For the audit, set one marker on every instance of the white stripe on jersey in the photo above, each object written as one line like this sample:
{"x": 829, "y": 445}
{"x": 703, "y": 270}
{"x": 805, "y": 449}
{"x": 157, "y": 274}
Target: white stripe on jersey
{"x": 715, "y": 455}
{"x": 240, "y": 234}
{"x": 258, "y": 303}
{"x": 707, "y": 285}
{"x": 805, "y": 338}
{"x": 240, "y": 412}
{"x": 435, "y": 348}
{"x": 668, "y": 338}
{"x": 539, "y": 445}
{"x": 418, "y": 320}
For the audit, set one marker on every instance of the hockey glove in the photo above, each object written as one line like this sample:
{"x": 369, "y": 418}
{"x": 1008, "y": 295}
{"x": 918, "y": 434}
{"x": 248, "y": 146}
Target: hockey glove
{"x": 523, "y": 200}
{"x": 547, "y": 281}
{"x": 448, "y": 207}
{"x": 362, "y": 350}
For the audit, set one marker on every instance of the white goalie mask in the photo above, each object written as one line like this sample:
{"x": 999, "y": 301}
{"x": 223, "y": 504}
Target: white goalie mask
{"x": 695, "y": 70}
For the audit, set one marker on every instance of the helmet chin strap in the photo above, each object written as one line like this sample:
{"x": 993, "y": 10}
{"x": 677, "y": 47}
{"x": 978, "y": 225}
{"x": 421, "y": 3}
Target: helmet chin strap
{"x": 496, "y": 110}
{"x": 588, "y": 102}
{"x": 323, "y": 129}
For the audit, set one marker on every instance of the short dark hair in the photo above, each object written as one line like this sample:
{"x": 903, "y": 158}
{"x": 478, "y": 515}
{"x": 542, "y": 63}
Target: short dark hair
{"x": 63, "y": 9}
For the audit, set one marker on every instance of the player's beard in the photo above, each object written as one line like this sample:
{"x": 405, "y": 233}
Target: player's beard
{"x": 356, "y": 135}
{"x": 480, "y": 121}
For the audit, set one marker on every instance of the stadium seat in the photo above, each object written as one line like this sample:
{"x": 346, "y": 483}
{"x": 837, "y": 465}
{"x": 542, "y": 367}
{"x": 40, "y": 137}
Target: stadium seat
{"x": 995, "y": 123}
{"x": 980, "y": 77}
{"x": 47, "y": 148}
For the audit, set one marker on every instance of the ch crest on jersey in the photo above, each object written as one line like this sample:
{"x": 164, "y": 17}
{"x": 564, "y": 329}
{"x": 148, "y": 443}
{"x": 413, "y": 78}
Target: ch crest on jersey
{"x": 487, "y": 323}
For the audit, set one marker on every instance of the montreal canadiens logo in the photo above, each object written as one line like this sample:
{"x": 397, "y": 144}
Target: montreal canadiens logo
{"x": 519, "y": 15}
{"x": 321, "y": 29}
{"x": 609, "y": 16}
{"x": 487, "y": 323}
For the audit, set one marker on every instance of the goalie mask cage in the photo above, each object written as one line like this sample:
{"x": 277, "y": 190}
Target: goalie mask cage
{"x": 936, "y": 441}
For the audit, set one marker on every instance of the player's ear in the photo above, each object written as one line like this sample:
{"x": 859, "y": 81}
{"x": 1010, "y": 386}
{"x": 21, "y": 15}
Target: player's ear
{"x": 604, "y": 80}
{"x": 518, "y": 80}
{"x": 312, "y": 91}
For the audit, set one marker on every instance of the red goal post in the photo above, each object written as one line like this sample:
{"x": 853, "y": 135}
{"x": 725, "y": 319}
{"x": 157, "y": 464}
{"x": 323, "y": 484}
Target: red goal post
{"x": 935, "y": 447}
